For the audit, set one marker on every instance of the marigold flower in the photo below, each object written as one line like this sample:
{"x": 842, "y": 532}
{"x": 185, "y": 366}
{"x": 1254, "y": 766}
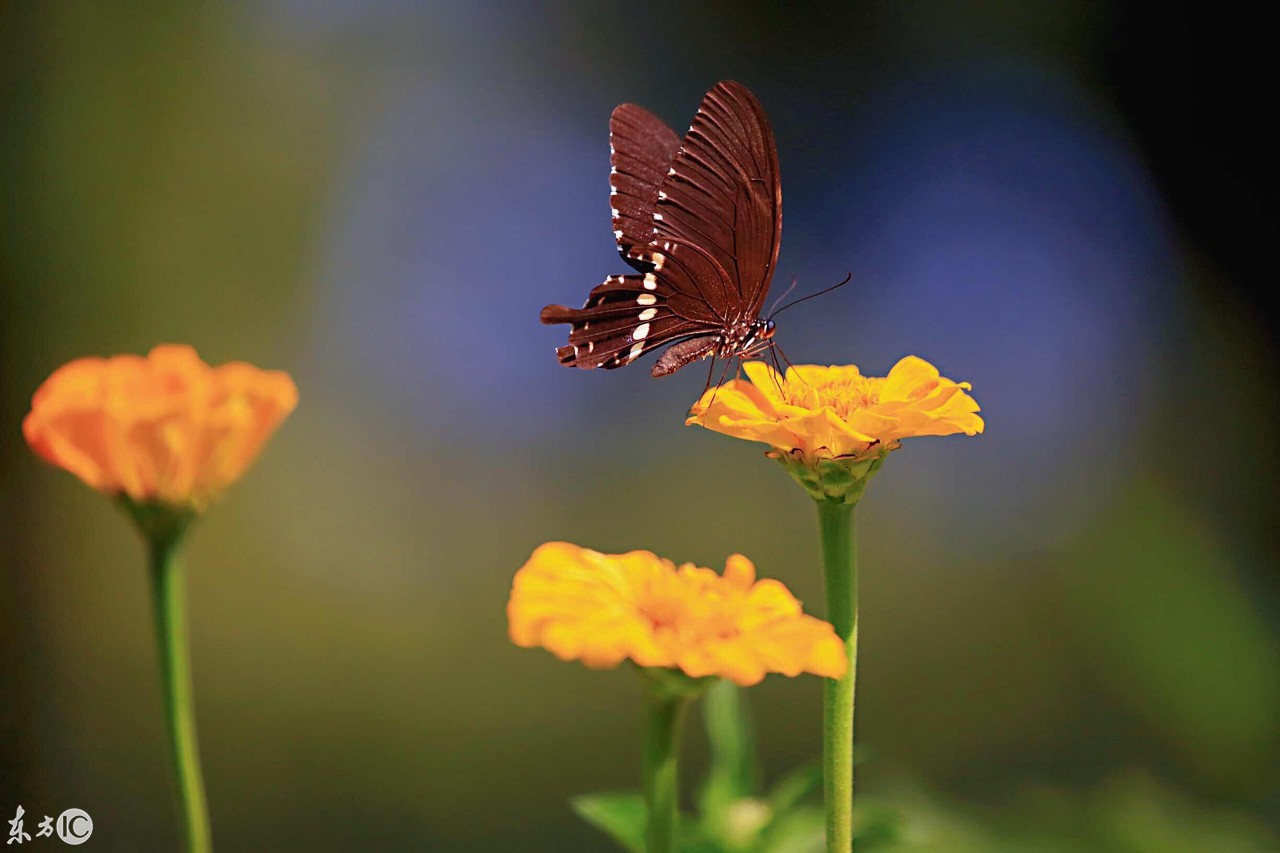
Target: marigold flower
{"x": 831, "y": 426}
{"x": 166, "y": 428}
{"x": 603, "y": 609}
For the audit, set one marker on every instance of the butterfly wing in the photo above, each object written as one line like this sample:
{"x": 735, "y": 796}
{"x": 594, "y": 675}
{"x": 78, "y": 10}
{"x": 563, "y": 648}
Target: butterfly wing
{"x": 628, "y": 315}
{"x": 718, "y": 219}
{"x": 699, "y": 219}
{"x": 623, "y": 318}
{"x": 641, "y": 148}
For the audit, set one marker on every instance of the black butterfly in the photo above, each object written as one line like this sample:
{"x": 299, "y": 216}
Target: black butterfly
{"x": 700, "y": 220}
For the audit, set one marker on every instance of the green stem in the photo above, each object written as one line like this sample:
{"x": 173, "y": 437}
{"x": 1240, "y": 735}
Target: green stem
{"x": 840, "y": 573}
{"x": 170, "y": 593}
{"x": 660, "y": 769}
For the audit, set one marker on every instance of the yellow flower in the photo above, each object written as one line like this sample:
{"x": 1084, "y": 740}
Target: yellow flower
{"x": 603, "y": 609}
{"x": 166, "y": 428}
{"x": 833, "y": 412}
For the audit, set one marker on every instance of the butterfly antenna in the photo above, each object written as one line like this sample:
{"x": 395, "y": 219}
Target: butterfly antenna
{"x": 784, "y": 295}
{"x": 847, "y": 279}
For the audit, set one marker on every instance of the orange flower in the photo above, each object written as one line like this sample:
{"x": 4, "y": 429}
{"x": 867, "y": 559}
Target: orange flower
{"x": 833, "y": 412}
{"x": 166, "y": 428}
{"x": 606, "y": 608}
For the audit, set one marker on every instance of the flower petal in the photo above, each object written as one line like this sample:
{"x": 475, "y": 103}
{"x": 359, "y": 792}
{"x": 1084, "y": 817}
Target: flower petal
{"x": 823, "y": 412}
{"x": 166, "y": 428}
{"x": 602, "y": 609}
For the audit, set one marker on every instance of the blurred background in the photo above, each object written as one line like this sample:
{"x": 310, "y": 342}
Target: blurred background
{"x": 1069, "y": 625}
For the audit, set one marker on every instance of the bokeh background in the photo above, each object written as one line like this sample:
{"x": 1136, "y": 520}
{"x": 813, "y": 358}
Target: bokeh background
{"x": 1069, "y": 635}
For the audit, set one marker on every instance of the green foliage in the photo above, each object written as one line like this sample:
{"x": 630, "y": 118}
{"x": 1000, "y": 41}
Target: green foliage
{"x": 733, "y": 774}
{"x": 1131, "y": 813}
{"x": 619, "y": 815}
{"x": 734, "y": 815}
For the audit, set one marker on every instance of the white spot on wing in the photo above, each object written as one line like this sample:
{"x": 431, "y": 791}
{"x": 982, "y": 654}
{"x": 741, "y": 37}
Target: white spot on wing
{"x": 650, "y": 281}
{"x": 646, "y": 299}
{"x": 648, "y": 313}
{"x": 657, "y": 217}
{"x": 635, "y": 351}
{"x": 658, "y": 260}
{"x": 641, "y": 332}
{"x": 617, "y": 235}
{"x": 661, "y": 195}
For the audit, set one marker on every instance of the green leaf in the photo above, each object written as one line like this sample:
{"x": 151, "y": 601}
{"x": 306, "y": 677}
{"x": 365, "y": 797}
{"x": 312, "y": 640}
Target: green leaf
{"x": 793, "y": 788}
{"x": 621, "y": 816}
{"x": 875, "y": 826}
{"x": 802, "y": 829}
{"x": 733, "y": 773}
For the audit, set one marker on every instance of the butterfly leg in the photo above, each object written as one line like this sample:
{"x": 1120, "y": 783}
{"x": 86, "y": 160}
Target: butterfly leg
{"x": 728, "y": 363}
{"x": 783, "y": 353}
{"x": 778, "y": 371}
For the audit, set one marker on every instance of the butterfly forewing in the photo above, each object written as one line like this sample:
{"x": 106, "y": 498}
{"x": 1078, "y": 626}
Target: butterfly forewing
{"x": 719, "y": 209}
{"x": 641, "y": 148}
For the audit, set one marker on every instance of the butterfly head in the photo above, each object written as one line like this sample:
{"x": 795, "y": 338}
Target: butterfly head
{"x": 751, "y": 339}
{"x": 760, "y": 333}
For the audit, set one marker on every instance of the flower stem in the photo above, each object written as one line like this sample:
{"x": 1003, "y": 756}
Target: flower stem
{"x": 660, "y": 769}
{"x": 170, "y": 594}
{"x": 840, "y": 573}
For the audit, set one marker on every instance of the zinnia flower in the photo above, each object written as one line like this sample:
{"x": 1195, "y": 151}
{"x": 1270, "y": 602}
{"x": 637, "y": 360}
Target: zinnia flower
{"x": 165, "y": 429}
{"x": 831, "y": 426}
{"x": 603, "y": 609}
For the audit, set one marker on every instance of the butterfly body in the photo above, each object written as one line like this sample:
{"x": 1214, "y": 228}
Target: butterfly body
{"x": 699, "y": 219}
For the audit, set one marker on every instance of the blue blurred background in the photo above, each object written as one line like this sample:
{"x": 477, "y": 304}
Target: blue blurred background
{"x": 1068, "y": 633}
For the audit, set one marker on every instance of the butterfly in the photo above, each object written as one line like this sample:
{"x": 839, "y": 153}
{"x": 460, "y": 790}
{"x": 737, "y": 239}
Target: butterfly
{"x": 699, "y": 219}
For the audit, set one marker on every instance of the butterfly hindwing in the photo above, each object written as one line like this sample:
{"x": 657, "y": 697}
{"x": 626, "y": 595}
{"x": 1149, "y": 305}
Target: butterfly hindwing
{"x": 623, "y": 318}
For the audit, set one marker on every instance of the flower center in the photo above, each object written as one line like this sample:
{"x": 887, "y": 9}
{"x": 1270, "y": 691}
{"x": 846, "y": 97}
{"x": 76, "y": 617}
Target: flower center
{"x": 844, "y": 396}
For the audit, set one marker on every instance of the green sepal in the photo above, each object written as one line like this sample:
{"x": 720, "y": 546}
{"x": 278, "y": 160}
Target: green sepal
{"x": 162, "y": 525}
{"x": 664, "y": 683}
{"x": 621, "y": 816}
{"x": 841, "y": 479}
